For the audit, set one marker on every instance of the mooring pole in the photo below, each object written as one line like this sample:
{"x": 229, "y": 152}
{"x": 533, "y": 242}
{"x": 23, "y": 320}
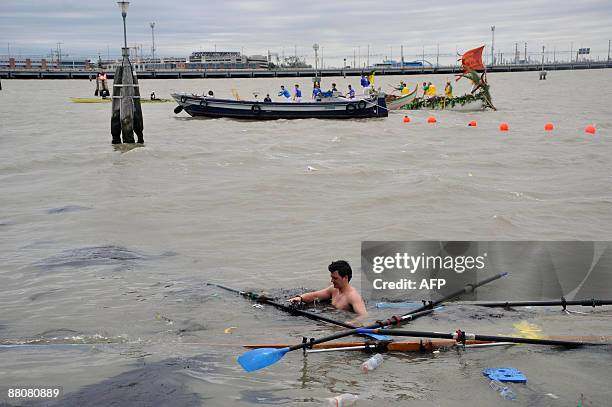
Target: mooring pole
{"x": 126, "y": 116}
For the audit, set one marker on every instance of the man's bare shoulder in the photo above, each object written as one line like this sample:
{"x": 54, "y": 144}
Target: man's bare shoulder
{"x": 353, "y": 294}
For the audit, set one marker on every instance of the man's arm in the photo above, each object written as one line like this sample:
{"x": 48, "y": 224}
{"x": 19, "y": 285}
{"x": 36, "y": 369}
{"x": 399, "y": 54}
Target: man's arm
{"x": 321, "y": 295}
{"x": 357, "y": 304}
{"x": 359, "y": 308}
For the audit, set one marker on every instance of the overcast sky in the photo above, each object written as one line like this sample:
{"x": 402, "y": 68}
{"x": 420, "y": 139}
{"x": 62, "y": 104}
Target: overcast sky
{"x": 342, "y": 28}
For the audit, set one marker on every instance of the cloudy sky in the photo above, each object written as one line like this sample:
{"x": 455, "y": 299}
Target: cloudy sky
{"x": 342, "y": 28}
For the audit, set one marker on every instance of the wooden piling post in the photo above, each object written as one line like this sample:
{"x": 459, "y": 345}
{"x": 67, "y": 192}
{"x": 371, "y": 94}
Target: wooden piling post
{"x": 127, "y": 103}
{"x": 126, "y": 116}
{"x": 138, "y": 122}
{"x": 116, "y": 111}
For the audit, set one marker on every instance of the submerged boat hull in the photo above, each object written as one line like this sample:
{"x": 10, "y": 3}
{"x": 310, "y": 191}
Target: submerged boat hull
{"x": 255, "y": 110}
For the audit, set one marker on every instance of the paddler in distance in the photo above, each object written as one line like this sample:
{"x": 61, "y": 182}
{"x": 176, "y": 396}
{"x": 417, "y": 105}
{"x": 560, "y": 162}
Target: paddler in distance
{"x": 285, "y": 93}
{"x": 342, "y": 295}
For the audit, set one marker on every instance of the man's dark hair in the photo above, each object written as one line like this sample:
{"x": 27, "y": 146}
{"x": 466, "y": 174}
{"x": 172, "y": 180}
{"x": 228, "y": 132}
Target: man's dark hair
{"x": 342, "y": 267}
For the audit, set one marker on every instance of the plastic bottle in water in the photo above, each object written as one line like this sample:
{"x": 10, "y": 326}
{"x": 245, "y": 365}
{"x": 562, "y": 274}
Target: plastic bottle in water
{"x": 372, "y": 363}
{"x": 503, "y": 390}
{"x": 343, "y": 400}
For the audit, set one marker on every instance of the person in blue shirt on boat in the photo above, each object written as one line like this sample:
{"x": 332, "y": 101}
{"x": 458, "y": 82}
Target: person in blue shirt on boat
{"x": 342, "y": 295}
{"x": 334, "y": 91}
{"x": 365, "y": 84}
{"x": 284, "y": 92}
{"x": 351, "y": 92}
{"x": 316, "y": 91}
{"x": 364, "y": 81}
{"x": 297, "y": 96}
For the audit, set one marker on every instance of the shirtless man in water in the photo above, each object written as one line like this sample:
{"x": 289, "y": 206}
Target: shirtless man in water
{"x": 343, "y": 296}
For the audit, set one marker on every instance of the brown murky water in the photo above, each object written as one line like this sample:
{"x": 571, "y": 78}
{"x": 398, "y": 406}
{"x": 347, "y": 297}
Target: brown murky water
{"x": 104, "y": 253}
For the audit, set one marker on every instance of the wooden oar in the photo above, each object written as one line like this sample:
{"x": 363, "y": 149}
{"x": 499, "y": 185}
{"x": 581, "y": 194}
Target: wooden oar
{"x": 260, "y": 358}
{"x": 461, "y": 337}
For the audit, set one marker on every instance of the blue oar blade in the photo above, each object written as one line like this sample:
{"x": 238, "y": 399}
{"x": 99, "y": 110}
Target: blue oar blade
{"x": 259, "y": 358}
{"x": 380, "y": 337}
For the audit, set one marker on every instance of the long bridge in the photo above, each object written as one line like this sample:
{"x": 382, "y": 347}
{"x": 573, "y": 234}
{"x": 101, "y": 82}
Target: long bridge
{"x": 287, "y": 73}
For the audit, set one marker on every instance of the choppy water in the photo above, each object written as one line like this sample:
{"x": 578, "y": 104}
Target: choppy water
{"x": 103, "y": 254}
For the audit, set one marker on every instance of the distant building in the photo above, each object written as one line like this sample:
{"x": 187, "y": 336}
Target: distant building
{"x": 20, "y": 63}
{"x": 225, "y": 60}
{"x": 148, "y": 64}
{"x": 214, "y": 57}
{"x": 198, "y": 60}
{"x": 258, "y": 61}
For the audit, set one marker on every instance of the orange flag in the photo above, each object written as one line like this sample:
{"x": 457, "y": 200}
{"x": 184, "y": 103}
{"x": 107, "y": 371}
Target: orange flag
{"x": 472, "y": 60}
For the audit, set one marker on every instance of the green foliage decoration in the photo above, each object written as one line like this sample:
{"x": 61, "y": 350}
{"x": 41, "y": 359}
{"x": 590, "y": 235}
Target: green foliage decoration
{"x": 480, "y": 93}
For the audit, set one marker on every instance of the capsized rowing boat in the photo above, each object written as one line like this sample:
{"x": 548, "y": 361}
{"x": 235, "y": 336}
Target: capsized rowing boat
{"x": 399, "y": 346}
{"x": 424, "y": 345}
{"x": 99, "y": 100}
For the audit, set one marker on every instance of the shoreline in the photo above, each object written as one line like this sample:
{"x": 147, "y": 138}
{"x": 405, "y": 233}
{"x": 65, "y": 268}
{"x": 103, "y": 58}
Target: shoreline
{"x": 290, "y": 73}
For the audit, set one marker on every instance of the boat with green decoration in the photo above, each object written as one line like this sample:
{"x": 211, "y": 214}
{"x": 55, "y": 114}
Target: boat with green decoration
{"x": 479, "y": 97}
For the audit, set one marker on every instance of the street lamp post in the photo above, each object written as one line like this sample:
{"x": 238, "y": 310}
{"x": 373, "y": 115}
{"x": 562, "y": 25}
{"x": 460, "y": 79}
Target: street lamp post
{"x": 516, "y": 54}
{"x": 123, "y": 5}
{"x": 153, "y": 38}
{"x": 315, "y": 47}
{"x": 492, "y": 45}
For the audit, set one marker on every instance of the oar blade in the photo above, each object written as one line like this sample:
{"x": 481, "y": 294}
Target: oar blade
{"x": 378, "y": 337}
{"x": 259, "y": 358}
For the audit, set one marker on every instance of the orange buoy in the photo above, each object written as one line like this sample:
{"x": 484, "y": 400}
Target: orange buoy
{"x": 590, "y": 129}
{"x": 472, "y": 123}
{"x": 549, "y": 127}
{"x": 503, "y": 127}
{"x": 406, "y": 119}
{"x": 431, "y": 119}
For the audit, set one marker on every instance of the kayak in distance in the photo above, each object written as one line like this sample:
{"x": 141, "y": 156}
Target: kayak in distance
{"x": 99, "y": 100}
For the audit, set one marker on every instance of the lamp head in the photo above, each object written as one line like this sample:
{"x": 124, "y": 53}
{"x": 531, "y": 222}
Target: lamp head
{"x": 123, "y": 5}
